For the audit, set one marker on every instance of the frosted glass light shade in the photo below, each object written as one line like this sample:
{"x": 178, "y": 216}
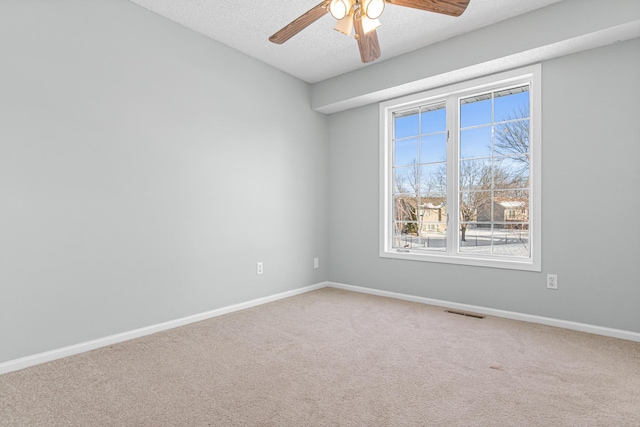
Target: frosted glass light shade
{"x": 373, "y": 8}
{"x": 369, "y": 25}
{"x": 345, "y": 25}
{"x": 339, "y": 8}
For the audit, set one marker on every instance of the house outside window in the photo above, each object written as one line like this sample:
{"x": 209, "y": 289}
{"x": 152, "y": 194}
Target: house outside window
{"x": 460, "y": 173}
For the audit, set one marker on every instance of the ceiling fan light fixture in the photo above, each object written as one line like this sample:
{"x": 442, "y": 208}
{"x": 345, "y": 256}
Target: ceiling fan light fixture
{"x": 339, "y": 8}
{"x": 369, "y": 25}
{"x": 373, "y": 8}
{"x": 345, "y": 25}
{"x": 362, "y": 15}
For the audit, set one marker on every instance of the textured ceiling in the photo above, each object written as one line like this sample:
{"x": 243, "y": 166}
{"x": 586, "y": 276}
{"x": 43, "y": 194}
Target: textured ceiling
{"x": 319, "y": 52}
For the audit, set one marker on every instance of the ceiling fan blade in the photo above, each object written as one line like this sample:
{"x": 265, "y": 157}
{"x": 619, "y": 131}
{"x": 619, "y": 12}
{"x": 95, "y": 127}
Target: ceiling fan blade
{"x": 446, "y": 7}
{"x": 367, "y": 43}
{"x": 301, "y": 23}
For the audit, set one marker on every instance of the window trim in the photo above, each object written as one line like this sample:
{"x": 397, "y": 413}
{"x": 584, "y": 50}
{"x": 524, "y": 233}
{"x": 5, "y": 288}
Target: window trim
{"x": 528, "y": 75}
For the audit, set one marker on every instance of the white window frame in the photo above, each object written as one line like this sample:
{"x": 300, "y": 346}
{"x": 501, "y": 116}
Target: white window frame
{"x": 529, "y": 75}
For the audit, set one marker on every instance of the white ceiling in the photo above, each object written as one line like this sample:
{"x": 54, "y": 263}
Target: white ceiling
{"x": 319, "y": 52}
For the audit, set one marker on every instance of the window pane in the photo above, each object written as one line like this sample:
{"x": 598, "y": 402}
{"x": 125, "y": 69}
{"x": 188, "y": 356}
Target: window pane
{"x": 475, "y": 175}
{"x": 434, "y": 121}
{"x": 433, "y": 148}
{"x": 475, "y": 206}
{"x": 433, "y": 222}
{"x": 407, "y": 180}
{"x": 404, "y": 208}
{"x": 475, "y": 142}
{"x": 405, "y": 124}
{"x": 433, "y": 180}
{"x": 405, "y": 235}
{"x": 511, "y": 172}
{"x": 413, "y": 235}
{"x": 475, "y": 238}
{"x": 433, "y": 209}
{"x": 511, "y": 240}
{"x": 511, "y": 206}
{"x": 433, "y": 237}
{"x": 511, "y": 138}
{"x": 475, "y": 111}
{"x": 485, "y": 240}
{"x": 405, "y": 152}
{"x": 511, "y": 104}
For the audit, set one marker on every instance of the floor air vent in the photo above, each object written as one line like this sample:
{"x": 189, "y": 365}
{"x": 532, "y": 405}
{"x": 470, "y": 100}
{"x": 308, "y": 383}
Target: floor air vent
{"x": 465, "y": 313}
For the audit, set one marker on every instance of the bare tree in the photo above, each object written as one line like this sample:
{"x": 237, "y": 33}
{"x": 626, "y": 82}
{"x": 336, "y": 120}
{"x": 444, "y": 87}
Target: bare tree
{"x": 413, "y": 189}
{"x": 511, "y": 145}
{"x": 475, "y": 197}
{"x": 408, "y": 190}
{"x": 512, "y": 139}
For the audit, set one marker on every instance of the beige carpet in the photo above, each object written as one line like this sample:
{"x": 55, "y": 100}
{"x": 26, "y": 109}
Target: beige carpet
{"x": 337, "y": 358}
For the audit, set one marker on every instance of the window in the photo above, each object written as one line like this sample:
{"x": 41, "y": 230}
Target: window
{"x": 460, "y": 173}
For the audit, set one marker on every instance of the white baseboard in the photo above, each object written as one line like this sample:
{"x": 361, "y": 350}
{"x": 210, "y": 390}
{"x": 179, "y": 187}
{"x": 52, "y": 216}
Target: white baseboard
{"x": 36, "y": 359}
{"x": 575, "y": 326}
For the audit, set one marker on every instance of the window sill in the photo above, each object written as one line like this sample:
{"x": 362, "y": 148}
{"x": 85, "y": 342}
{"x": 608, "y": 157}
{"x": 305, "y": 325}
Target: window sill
{"x": 461, "y": 259}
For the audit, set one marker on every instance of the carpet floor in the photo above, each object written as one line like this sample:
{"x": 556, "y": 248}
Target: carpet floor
{"x": 337, "y": 358}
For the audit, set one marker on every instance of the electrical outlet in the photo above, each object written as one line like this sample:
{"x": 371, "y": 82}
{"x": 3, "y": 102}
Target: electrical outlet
{"x": 552, "y": 281}
{"x": 316, "y": 263}
{"x": 259, "y": 268}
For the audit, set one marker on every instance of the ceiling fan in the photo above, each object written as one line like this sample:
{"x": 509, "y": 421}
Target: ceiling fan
{"x": 362, "y": 15}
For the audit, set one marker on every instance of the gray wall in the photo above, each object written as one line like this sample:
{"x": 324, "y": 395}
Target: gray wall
{"x": 591, "y": 173}
{"x": 144, "y": 170}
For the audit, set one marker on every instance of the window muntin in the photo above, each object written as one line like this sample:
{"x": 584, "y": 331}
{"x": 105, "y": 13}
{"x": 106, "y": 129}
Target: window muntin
{"x": 460, "y": 173}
